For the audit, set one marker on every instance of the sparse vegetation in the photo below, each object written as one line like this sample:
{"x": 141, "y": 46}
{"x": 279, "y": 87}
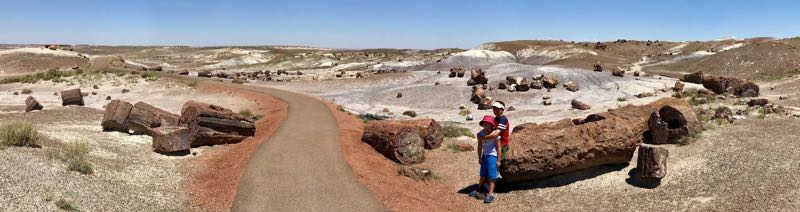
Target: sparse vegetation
{"x": 245, "y": 112}
{"x": 149, "y": 76}
{"x": 696, "y": 130}
{"x": 237, "y": 81}
{"x": 192, "y": 83}
{"x": 464, "y": 112}
{"x": 452, "y": 131}
{"x": 66, "y": 204}
{"x": 622, "y": 99}
{"x": 50, "y": 75}
{"x": 401, "y": 169}
{"x": 18, "y": 133}
{"x": 75, "y": 154}
{"x": 452, "y": 147}
{"x": 27, "y": 91}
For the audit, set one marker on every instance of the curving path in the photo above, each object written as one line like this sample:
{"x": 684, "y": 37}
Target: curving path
{"x": 301, "y": 167}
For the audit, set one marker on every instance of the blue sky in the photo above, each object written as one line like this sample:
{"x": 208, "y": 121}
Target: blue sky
{"x": 389, "y": 24}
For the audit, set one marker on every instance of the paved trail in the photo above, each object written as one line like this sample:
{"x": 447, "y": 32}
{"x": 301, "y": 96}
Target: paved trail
{"x": 301, "y": 167}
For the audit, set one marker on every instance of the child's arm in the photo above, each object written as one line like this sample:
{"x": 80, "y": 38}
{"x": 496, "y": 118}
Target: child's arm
{"x": 499, "y": 151}
{"x": 480, "y": 149}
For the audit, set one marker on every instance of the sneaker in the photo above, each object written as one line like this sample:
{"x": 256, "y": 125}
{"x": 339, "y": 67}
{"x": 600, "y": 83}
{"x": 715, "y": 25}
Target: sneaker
{"x": 476, "y": 194}
{"x": 489, "y": 199}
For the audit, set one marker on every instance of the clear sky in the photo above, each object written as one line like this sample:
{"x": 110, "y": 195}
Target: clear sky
{"x": 390, "y": 23}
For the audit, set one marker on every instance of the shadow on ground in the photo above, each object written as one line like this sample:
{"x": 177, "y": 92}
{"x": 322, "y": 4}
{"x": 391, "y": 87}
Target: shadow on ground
{"x": 552, "y": 181}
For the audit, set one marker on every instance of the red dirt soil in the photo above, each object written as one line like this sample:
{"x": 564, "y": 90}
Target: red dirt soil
{"x": 214, "y": 177}
{"x": 379, "y": 175}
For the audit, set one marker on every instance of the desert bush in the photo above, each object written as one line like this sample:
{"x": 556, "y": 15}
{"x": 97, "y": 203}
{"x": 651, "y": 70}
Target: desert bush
{"x": 464, "y": 112}
{"x": 192, "y": 83}
{"x": 452, "y": 131}
{"x": 27, "y": 91}
{"x": 237, "y": 81}
{"x": 245, "y": 113}
{"x": 66, "y": 204}
{"x": 401, "y": 169}
{"x": 18, "y": 133}
{"x": 622, "y": 99}
{"x": 149, "y": 76}
{"x": 75, "y": 154}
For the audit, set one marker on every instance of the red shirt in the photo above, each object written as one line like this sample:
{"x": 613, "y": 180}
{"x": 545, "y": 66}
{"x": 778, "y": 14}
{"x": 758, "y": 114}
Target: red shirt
{"x": 503, "y": 125}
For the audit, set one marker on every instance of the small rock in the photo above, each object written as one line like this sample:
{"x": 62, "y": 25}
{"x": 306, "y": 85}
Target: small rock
{"x": 385, "y": 110}
{"x": 580, "y": 105}
{"x": 125, "y": 90}
{"x": 645, "y": 94}
{"x": 108, "y": 97}
{"x": 15, "y": 93}
{"x": 547, "y": 102}
{"x": 462, "y": 107}
{"x": 678, "y": 86}
{"x": 501, "y": 86}
{"x": 418, "y": 174}
{"x": 95, "y": 87}
{"x": 94, "y": 93}
{"x": 636, "y": 74}
{"x": 618, "y": 73}
{"x": 571, "y": 86}
{"x": 399, "y": 95}
{"x": 546, "y": 96}
{"x": 469, "y": 118}
{"x": 783, "y": 97}
{"x": 757, "y": 102}
{"x": 436, "y": 83}
{"x": 721, "y": 97}
{"x": 410, "y": 113}
{"x": 511, "y": 108}
{"x": 637, "y": 78}
{"x": 465, "y": 147}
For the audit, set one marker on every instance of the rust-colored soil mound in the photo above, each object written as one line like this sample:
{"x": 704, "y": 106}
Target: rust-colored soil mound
{"x": 214, "y": 177}
{"x": 379, "y": 175}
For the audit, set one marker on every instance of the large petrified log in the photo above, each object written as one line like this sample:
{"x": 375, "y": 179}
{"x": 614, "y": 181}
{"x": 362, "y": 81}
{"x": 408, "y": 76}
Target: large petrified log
{"x": 171, "y": 139}
{"x": 667, "y": 125}
{"x": 478, "y": 93}
{"x": 31, "y": 104}
{"x": 116, "y": 116}
{"x": 652, "y": 162}
{"x": 428, "y": 129}
{"x": 401, "y": 144}
{"x": 478, "y": 77}
{"x": 72, "y": 97}
{"x": 722, "y": 85}
{"x": 144, "y": 117}
{"x": 212, "y": 124}
{"x": 609, "y": 138}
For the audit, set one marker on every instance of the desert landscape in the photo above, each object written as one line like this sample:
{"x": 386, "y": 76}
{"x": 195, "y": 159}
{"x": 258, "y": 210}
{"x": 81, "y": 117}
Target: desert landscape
{"x": 620, "y": 125}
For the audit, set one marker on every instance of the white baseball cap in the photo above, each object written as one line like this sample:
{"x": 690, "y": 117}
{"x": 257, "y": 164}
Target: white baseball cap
{"x": 498, "y": 105}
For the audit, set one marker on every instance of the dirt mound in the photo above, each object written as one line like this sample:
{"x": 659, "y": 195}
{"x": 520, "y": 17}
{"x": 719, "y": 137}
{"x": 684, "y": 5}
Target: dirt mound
{"x": 763, "y": 60}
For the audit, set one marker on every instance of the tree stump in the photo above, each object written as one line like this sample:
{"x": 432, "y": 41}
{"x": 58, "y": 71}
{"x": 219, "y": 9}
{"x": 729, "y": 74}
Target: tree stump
{"x": 31, "y": 104}
{"x": 72, "y": 97}
{"x": 400, "y": 144}
{"x": 652, "y": 162}
{"x": 212, "y": 124}
{"x": 116, "y": 116}
{"x": 428, "y": 129}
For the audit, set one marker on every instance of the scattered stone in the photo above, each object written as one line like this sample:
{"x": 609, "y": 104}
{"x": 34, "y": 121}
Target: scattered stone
{"x": 512, "y": 88}
{"x": 678, "y": 86}
{"x": 618, "y": 73}
{"x": 523, "y": 85}
{"x": 95, "y": 87}
{"x": 399, "y": 95}
{"x": 546, "y": 96}
{"x": 485, "y": 103}
{"x": 370, "y": 116}
{"x": 125, "y": 90}
{"x": 571, "y": 86}
{"x": 511, "y": 108}
{"x": 723, "y": 112}
{"x": 652, "y": 162}
{"x": 550, "y": 82}
{"x": 667, "y": 126}
{"x": 436, "y": 83}
{"x": 546, "y": 102}
{"x": 580, "y": 105}
{"x": 537, "y": 84}
{"x": 171, "y": 139}
{"x": 108, "y": 98}
{"x": 696, "y": 78}
{"x": 15, "y": 93}
{"x": 464, "y": 147}
{"x": 645, "y": 94}
{"x": 94, "y": 93}
{"x": 783, "y": 97}
{"x": 636, "y": 74}
{"x": 71, "y": 97}
{"x": 410, "y": 113}
{"x": 469, "y": 118}
{"x": 418, "y": 174}
{"x": 462, "y": 107}
{"x": 721, "y": 97}
{"x": 757, "y": 102}
{"x": 598, "y": 67}
{"x": 31, "y": 104}
{"x": 501, "y": 86}
{"x": 478, "y": 77}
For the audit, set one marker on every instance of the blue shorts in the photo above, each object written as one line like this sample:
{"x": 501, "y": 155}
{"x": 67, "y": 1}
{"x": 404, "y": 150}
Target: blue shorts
{"x": 489, "y": 167}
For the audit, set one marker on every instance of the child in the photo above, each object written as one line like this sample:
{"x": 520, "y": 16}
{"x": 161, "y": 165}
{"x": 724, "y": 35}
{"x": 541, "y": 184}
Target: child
{"x": 487, "y": 158}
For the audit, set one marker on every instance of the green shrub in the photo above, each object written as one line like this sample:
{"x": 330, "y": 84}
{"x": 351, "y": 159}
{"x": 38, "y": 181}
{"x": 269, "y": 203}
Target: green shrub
{"x": 245, "y": 113}
{"x": 149, "y": 76}
{"x": 192, "y": 83}
{"x": 622, "y": 99}
{"x": 75, "y": 154}
{"x": 18, "y": 133}
{"x": 66, "y": 204}
{"x": 464, "y": 112}
{"x": 26, "y": 91}
{"x": 452, "y": 131}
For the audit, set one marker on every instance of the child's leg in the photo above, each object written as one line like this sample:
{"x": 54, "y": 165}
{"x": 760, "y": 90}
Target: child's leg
{"x": 491, "y": 187}
{"x": 480, "y": 183}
